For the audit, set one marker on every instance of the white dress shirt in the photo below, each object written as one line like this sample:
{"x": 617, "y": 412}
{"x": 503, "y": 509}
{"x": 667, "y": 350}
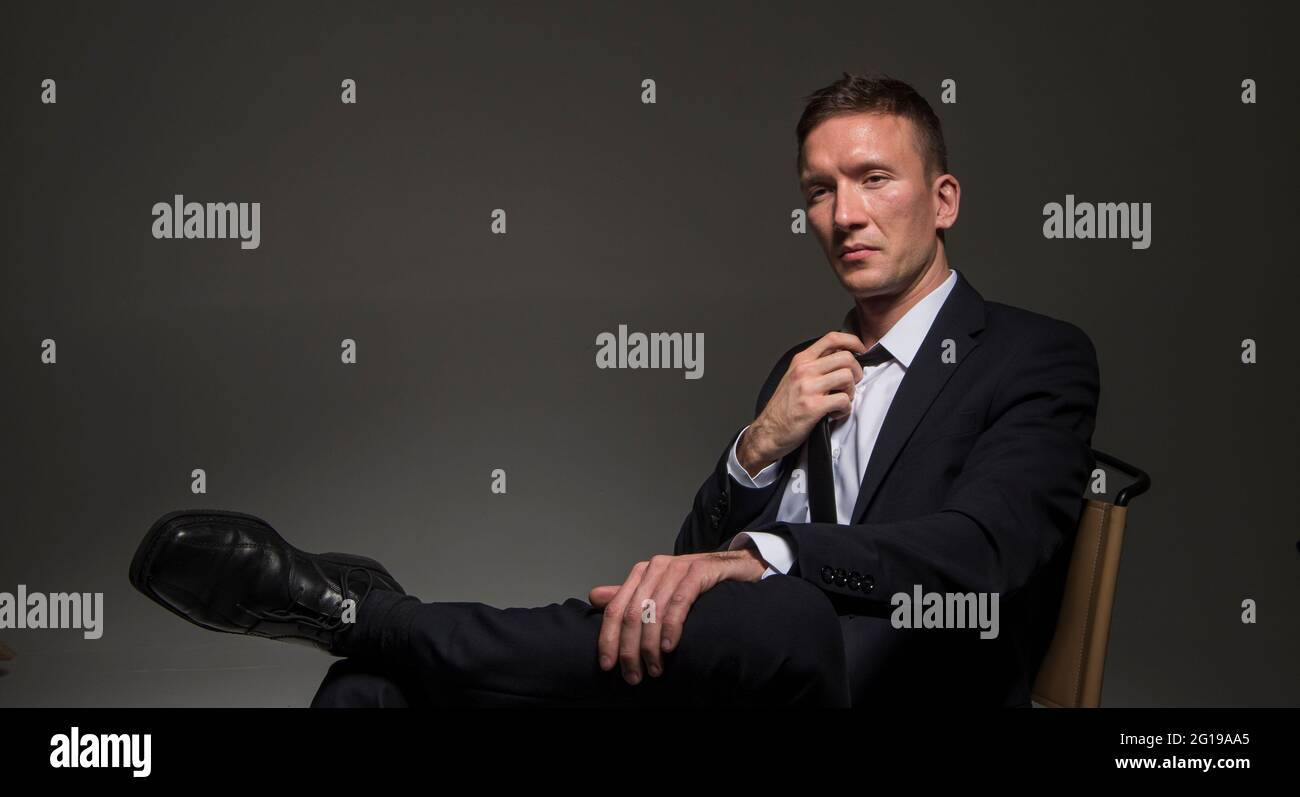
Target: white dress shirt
{"x": 852, "y": 438}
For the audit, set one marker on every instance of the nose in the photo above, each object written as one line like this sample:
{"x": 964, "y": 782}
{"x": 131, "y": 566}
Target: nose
{"x": 851, "y": 209}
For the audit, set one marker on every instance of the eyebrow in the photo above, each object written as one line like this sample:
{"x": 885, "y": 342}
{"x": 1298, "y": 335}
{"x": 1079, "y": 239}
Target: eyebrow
{"x": 809, "y": 178}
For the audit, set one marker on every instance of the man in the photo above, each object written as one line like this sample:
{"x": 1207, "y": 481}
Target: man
{"x": 957, "y": 436}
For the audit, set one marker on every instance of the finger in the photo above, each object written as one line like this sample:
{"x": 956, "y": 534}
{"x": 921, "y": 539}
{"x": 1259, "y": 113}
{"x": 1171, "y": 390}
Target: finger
{"x": 651, "y": 632}
{"x": 835, "y": 405}
{"x": 835, "y": 361}
{"x": 612, "y": 624}
{"x": 851, "y": 362}
{"x": 681, "y": 600}
{"x": 629, "y": 642}
{"x": 835, "y": 383}
{"x": 831, "y": 363}
{"x": 602, "y": 595}
{"x": 833, "y": 341}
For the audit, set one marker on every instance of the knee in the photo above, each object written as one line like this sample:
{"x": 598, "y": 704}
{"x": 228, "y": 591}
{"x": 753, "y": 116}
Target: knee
{"x": 778, "y": 641}
{"x": 348, "y": 686}
{"x": 813, "y": 645}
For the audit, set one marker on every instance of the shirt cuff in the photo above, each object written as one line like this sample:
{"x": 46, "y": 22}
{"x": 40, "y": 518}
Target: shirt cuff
{"x": 772, "y": 548}
{"x": 765, "y": 476}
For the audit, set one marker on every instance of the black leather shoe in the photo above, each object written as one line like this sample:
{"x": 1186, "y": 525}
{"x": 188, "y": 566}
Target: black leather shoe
{"x": 232, "y": 572}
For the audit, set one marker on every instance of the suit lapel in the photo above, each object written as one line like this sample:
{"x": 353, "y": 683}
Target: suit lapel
{"x": 959, "y": 319}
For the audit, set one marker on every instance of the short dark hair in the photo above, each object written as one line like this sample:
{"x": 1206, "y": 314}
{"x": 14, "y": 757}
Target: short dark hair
{"x": 877, "y": 94}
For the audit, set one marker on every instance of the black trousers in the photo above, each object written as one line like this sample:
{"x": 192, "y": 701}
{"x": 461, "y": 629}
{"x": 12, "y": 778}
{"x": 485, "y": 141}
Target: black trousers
{"x": 774, "y": 642}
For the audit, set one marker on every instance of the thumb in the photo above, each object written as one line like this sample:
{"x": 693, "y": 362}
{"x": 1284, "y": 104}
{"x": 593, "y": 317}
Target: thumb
{"x": 600, "y": 596}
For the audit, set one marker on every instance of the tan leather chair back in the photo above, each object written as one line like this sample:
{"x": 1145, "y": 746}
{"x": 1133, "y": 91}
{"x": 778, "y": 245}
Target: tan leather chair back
{"x": 1070, "y": 675}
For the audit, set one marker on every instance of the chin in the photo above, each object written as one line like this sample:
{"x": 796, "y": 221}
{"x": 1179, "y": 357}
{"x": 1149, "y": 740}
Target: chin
{"x": 866, "y": 281}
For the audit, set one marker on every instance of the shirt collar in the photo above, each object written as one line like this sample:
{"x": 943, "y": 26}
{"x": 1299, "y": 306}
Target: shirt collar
{"x": 904, "y": 338}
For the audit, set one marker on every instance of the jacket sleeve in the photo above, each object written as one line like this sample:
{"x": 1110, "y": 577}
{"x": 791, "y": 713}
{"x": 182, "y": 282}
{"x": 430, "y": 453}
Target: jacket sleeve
{"x": 722, "y": 506}
{"x": 1015, "y": 502}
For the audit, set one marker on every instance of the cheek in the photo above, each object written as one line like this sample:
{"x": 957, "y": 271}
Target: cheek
{"x": 893, "y": 205}
{"x": 920, "y": 212}
{"x": 819, "y": 222}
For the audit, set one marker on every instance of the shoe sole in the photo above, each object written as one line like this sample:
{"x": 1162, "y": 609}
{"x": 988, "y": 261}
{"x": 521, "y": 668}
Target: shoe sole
{"x": 144, "y": 552}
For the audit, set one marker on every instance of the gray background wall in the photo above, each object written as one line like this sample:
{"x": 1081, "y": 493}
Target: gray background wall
{"x": 477, "y": 351}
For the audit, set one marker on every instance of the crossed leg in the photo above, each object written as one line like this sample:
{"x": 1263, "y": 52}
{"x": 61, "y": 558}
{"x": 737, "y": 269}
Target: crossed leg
{"x": 777, "y": 641}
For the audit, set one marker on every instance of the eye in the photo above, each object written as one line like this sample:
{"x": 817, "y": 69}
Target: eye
{"x": 876, "y": 177}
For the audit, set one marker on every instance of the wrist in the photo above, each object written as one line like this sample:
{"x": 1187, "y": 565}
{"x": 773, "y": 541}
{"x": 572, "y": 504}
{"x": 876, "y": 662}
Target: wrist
{"x": 748, "y": 452}
{"x": 753, "y": 565}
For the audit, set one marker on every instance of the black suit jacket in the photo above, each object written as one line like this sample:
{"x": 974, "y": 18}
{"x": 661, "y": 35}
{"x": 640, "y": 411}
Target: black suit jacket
{"x": 975, "y": 484}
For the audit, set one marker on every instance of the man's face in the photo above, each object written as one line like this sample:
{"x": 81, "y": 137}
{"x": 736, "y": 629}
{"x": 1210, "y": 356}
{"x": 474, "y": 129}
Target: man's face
{"x": 864, "y": 182}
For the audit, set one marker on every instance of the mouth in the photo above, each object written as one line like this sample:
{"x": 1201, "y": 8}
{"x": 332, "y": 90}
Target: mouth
{"x": 858, "y": 254}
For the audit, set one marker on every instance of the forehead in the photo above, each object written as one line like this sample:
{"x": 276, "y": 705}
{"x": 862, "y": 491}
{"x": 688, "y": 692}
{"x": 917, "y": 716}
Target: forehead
{"x": 846, "y": 141}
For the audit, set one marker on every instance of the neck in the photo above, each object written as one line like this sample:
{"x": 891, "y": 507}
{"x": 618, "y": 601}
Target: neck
{"x": 875, "y": 315}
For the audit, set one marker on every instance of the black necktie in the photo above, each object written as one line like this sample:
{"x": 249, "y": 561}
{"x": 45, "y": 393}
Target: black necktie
{"x": 821, "y": 476}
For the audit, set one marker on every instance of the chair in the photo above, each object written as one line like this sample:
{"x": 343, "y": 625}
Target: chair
{"x": 1071, "y": 671}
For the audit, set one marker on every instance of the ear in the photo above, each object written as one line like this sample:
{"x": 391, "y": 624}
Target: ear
{"x": 947, "y": 194}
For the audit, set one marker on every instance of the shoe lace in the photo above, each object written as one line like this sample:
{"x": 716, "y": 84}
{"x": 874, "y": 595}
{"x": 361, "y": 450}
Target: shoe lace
{"x": 325, "y": 621}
